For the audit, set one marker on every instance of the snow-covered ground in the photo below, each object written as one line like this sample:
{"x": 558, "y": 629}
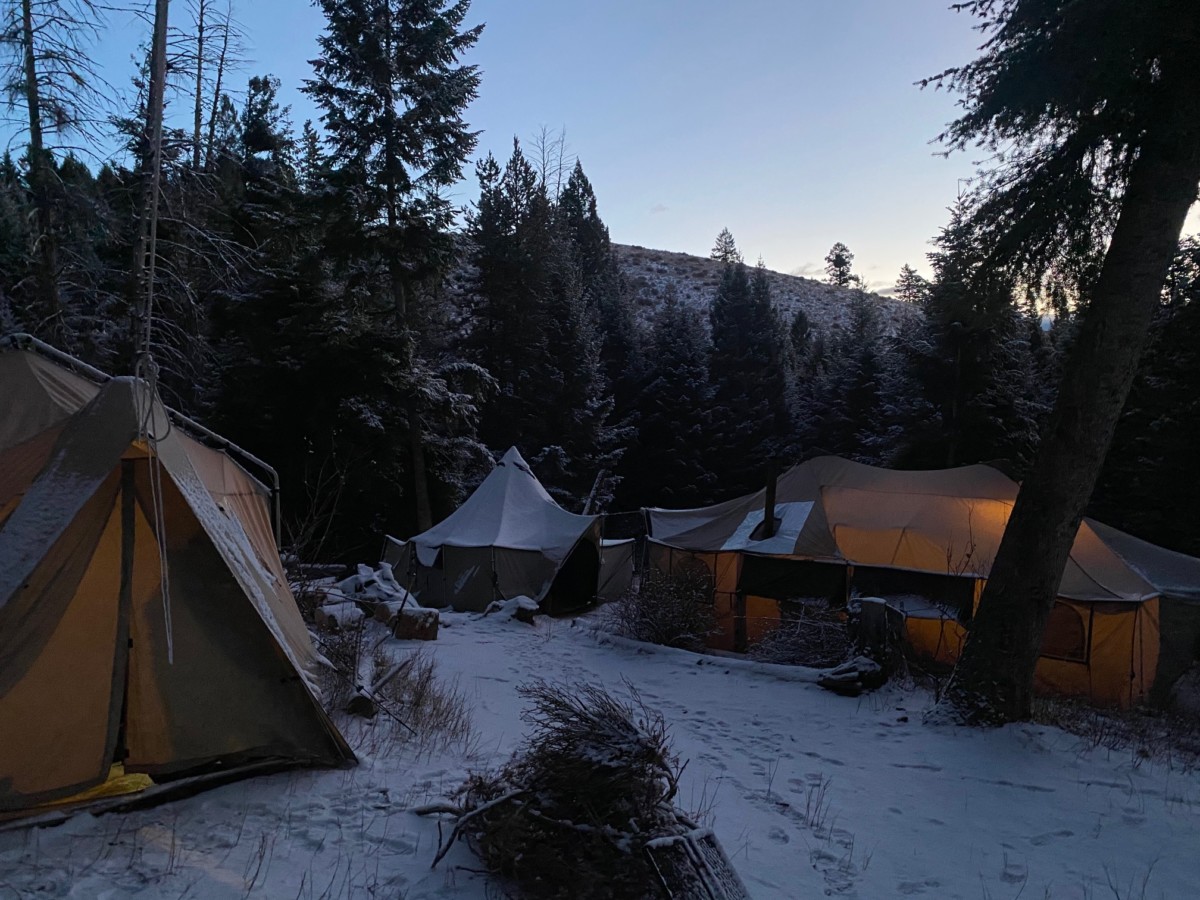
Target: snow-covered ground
{"x": 810, "y": 793}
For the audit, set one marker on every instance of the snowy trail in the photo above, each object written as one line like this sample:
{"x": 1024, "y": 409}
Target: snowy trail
{"x": 810, "y": 793}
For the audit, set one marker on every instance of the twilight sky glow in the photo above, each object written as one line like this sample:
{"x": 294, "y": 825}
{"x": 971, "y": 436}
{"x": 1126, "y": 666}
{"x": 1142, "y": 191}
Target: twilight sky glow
{"x": 794, "y": 123}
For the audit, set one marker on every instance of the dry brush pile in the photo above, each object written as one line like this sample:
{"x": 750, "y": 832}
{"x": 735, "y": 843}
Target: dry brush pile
{"x": 814, "y": 634}
{"x": 570, "y": 814}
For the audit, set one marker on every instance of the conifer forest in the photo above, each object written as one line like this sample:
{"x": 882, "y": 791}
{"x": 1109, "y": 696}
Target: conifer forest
{"x": 317, "y": 299}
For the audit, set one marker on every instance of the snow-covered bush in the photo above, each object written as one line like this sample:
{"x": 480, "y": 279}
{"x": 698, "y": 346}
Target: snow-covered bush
{"x": 815, "y": 635}
{"x": 673, "y": 610}
{"x": 570, "y": 814}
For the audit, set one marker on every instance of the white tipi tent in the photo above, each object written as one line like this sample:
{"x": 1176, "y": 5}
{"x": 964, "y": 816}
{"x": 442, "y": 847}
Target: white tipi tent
{"x": 507, "y": 539}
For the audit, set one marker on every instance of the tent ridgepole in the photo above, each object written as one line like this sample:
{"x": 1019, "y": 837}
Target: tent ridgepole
{"x": 118, "y": 734}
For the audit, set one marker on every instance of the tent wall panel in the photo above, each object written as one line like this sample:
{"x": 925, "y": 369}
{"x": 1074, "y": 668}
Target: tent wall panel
{"x": 20, "y": 466}
{"x": 616, "y": 569}
{"x": 521, "y": 572}
{"x": 229, "y": 692}
{"x": 1180, "y": 644}
{"x": 37, "y": 395}
{"x": 467, "y": 576}
{"x": 430, "y": 585}
{"x": 574, "y": 584}
{"x": 396, "y": 554}
{"x": 271, "y": 597}
{"x": 243, "y": 499}
{"x": 763, "y": 616}
{"x": 57, "y": 706}
{"x": 1122, "y": 656}
{"x": 1147, "y": 646}
{"x": 936, "y": 640}
{"x": 29, "y": 615}
{"x": 726, "y": 634}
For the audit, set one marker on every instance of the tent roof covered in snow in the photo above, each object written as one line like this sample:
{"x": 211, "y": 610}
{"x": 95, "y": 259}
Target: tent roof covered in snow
{"x": 145, "y": 618}
{"x": 946, "y": 521}
{"x": 508, "y": 538}
{"x": 510, "y": 510}
{"x": 1174, "y": 574}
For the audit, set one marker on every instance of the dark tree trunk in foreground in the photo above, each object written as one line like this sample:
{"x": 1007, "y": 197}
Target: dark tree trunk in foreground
{"x": 993, "y": 682}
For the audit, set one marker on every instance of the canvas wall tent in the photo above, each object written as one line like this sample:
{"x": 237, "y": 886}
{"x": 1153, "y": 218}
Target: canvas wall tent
{"x": 930, "y": 537}
{"x": 1176, "y": 577}
{"x": 97, "y": 666}
{"x": 507, "y": 539}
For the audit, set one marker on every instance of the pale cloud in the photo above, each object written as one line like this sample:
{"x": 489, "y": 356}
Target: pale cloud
{"x": 658, "y": 209}
{"x": 809, "y": 270}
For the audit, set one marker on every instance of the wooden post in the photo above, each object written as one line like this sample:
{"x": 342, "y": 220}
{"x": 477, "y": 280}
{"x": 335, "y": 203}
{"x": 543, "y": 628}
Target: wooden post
{"x": 124, "y": 643}
{"x": 741, "y": 638}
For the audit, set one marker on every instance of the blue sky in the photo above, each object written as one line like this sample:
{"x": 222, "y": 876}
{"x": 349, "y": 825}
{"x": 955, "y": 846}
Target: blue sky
{"x": 794, "y": 123}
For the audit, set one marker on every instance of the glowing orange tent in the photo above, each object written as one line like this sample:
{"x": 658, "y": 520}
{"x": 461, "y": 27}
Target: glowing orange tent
{"x": 146, "y": 623}
{"x": 925, "y": 539}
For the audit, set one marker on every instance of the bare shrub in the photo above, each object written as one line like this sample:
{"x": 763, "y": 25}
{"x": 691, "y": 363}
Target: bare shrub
{"x": 815, "y": 636}
{"x": 569, "y": 814}
{"x": 675, "y": 610}
{"x": 1144, "y": 734}
{"x": 413, "y": 707}
{"x": 343, "y": 650}
{"x": 433, "y": 707}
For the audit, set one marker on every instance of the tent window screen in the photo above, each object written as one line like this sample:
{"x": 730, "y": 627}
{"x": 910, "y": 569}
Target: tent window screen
{"x": 952, "y": 592}
{"x": 784, "y": 579}
{"x": 1066, "y": 634}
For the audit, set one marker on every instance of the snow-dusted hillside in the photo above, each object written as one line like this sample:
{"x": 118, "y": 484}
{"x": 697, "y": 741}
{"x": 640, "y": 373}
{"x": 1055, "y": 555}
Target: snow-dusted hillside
{"x": 810, "y": 793}
{"x": 650, "y": 274}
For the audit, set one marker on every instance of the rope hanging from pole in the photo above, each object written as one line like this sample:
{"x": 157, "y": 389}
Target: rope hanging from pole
{"x": 145, "y": 368}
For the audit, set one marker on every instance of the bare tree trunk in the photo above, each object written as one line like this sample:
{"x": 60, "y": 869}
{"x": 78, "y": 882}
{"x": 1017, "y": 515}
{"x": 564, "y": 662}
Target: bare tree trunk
{"x": 222, "y": 58}
{"x": 993, "y": 682}
{"x": 416, "y": 431}
{"x": 152, "y": 172}
{"x": 201, "y": 9}
{"x": 39, "y": 174}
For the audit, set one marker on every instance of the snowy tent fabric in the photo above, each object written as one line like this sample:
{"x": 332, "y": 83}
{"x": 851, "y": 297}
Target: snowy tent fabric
{"x": 844, "y": 527}
{"x": 509, "y": 538}
{"x": 616, "y": 568}
{"x": 97, "y": 667}
{"x": 1177, "y": 577}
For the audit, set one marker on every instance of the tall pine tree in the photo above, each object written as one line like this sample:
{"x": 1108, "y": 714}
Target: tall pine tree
{"x": 393, "y": 93}
{"x": 749, "y": 375}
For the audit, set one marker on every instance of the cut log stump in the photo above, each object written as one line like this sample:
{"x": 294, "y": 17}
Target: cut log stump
{"x": 414, "y": 623}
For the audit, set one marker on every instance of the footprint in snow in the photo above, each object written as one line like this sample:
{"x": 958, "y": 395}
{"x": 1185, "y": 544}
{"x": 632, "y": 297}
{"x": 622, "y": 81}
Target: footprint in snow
{"x": 1041, "y": 840}
{"x": 910, "y": 888}
{"x": 1014, "y": 873}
